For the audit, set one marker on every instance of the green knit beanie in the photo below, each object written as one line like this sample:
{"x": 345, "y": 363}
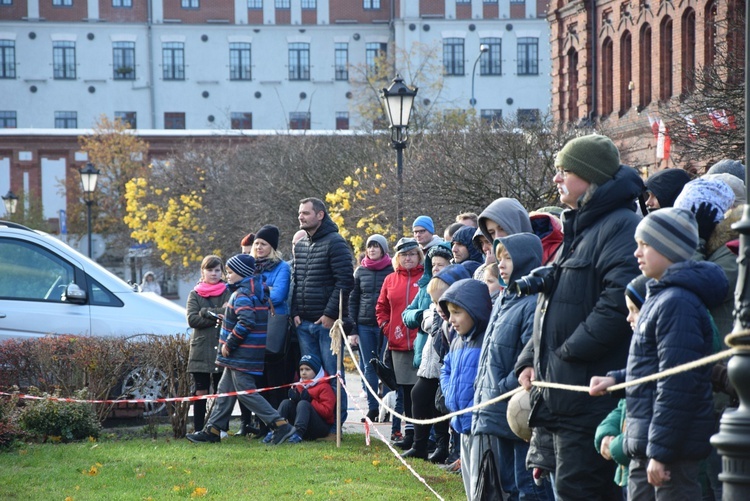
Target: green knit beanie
{"x": 594, "y": 158}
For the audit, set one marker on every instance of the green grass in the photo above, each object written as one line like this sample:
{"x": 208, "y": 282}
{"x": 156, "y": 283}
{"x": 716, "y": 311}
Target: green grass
{"x": 119, "y": 467}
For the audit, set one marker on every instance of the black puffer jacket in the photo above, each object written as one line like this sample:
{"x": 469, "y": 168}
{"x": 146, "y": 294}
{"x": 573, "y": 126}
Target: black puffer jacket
{"x": 367, "y": 284}
{"x": 580, "y": 329}
{"x": 323, "y": 270}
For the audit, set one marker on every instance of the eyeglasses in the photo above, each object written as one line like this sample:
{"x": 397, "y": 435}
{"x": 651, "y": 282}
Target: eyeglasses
{"x": 410, "y": 254}
{"x": 563, "y": 173}
{"x": 419, "y": 232}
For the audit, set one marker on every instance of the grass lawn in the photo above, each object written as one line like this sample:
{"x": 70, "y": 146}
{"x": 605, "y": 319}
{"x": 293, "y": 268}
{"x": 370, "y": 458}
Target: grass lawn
{"x": 125, "y": 467}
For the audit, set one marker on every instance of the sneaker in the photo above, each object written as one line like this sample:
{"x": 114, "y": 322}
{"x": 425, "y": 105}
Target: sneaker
{"x": 268, "y": 437}
{"x": 203, "y": 437}
{"x": 223, "y": 434}
{"x": 454, "y": 467}
{"x": 282, "y": 433}
{"x": 396, "y": 436}
{"x": 294, "y": 439}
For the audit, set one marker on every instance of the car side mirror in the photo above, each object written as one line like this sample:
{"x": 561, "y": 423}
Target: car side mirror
{"x": 74, "y": 294}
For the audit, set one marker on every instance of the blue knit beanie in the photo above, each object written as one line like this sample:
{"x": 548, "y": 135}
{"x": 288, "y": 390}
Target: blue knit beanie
{"x": 312, "y": 361}
{"x": 425, "y": 222}
{"x": 242, "y": 264}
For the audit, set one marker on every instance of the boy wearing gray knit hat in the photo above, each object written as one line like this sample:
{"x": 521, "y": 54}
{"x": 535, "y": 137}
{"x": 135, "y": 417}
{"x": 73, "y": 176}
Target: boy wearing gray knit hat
{"x": 672, "y": 233}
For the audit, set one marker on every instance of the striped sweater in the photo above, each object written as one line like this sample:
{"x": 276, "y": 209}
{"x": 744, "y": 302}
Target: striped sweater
{"x": 244, "y": 329}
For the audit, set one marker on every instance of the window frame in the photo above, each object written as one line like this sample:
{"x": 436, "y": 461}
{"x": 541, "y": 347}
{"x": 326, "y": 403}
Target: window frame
{"x": 236, "y": 119}
{"x": 492, "y": 58}
{"x": 453, "y": 57}
{"x": 303, "y": 118}
{"x": 8, "y": 59}
{"x": 373, "y": 52}
{"x": 254, "y": 4}
{"x": 175, "y": 117}
{"x": 123, "y": 53}
{"x": 122, "y": 4}
{"x": 125, "y": 117}
{"x": 527, "y": 53}
{"x": 371, "y": 4}
{"x": 64, "y": 119}
{"x": 341, "y": 72}
{"x": 62, "y": 69}
{"x": 299, "y": 61}
{"x": 62, "y": 3}
{"x": 238, "y": 71}
{"x": 174, "y": 69}
{"x": 6, "y": 116}
{"x": 190, "y": 4}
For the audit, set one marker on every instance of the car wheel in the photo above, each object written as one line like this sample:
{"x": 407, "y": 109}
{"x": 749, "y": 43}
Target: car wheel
{"x": 147, "y": 383}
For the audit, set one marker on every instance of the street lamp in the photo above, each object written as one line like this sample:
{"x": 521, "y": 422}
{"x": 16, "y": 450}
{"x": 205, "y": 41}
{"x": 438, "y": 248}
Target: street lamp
{"x": 89, "y": 175}
{"x": 398, "y": 100}
{"x": 10, "y": 200}
{"x": 482, "y": 49}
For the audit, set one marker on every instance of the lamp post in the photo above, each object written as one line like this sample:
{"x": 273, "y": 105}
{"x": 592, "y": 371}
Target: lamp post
{"x": 733, "y": 439}
{"x": 398, "y": 100}
{"x": 482, "y": 49}
{"x": 10, "y": 200}
{"x": 89, "y": 175}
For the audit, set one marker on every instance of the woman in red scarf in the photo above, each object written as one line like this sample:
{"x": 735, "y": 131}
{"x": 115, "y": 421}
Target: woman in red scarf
{"x": 205, "y": 308}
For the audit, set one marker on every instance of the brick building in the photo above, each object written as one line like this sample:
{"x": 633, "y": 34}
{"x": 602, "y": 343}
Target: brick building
{"x": 620, "y": 61}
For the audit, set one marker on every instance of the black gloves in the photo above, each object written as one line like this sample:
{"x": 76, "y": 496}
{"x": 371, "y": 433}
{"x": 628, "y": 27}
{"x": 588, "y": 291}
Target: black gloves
{"x": 294, "y": 395}
{"x": 705, "y": 216}
{"x": 305, "y": 395}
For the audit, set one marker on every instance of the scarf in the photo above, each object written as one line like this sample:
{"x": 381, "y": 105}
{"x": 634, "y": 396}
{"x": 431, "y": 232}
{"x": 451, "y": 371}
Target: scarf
{"x": 309, "y": 383}
{"x": 207, "y": 290}
{"x": 378, "y": 265}
{"x": 265, "y": 264}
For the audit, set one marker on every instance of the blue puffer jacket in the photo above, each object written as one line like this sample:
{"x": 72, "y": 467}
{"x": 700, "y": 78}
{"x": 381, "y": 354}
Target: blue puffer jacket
{"x": 509, "y": 329}
{"x": 278, "y": 279}
{"x": 244, "y": 328}
{"x": 672, "y": 418}
{"x": 460, "y": 364}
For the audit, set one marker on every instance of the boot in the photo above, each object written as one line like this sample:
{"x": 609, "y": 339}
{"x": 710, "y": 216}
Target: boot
{"x": 372, "y": 414}
{"x": 440, "y": 454}
{"x": 415, "y": 453}
{"x": 406, "y": 443}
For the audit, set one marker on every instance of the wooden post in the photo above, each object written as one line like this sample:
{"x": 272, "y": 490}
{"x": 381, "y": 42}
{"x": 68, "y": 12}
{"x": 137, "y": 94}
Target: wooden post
{"x": 338, "y": 379}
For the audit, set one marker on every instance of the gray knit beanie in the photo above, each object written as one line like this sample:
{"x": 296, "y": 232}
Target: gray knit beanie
{"x": 594, "y": 158}
{"x": 380, "y": 240}
{"x": 673, "y": 232}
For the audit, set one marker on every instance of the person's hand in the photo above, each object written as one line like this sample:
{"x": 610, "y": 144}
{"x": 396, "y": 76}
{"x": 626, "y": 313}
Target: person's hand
{"x": 325, "y": 321}
{"x": 658, "y": 473}
{"x": 599, "y": 385}
{"x": 297, "y": 321}
{"x": 354, "y": 340}
{"x": 604, "y": 448}
{"x": 293, "y": 395}
{"x": 705, "y": 216}
{"x": 224, "y": 350}
{"x": 526, "y": 377}
{"x": 305, "y": 395}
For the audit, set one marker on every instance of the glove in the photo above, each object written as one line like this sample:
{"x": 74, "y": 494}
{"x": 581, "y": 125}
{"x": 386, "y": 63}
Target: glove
{"x": 305, "y": 395}
{"x": 705, "y": 216}
{"x": 294, "y": 395}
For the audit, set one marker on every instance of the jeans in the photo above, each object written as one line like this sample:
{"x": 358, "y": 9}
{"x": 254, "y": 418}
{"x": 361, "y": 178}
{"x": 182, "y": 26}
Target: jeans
{"x": 314, "y": 339}
{"x": 233, "y": 380}
{"x": 369, "y": 341}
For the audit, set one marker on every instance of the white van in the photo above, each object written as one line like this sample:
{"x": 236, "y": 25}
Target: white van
{"x": 47, "y": 287}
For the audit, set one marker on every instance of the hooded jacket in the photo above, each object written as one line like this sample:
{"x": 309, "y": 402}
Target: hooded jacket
{"x": 666, "y": 185}
{"x": 509, "y": 214}
{"x": 204, "y": 341}
{"x": 399, "y": 289}
{"x": 322, "y": 271}
{"x": 549, "y": 228}
{"x": 672, "y": 418}
{"x": 464, "y": 236}
{"x": 412, "y": 315}
{"x": 323, "y": 398}
{"x": 509, "y": 329}
{"x": 580, "y": 327}
{"x": 368, "y": 280}
{"x": 244, "y": 328}
{"x": 460, "y": 364}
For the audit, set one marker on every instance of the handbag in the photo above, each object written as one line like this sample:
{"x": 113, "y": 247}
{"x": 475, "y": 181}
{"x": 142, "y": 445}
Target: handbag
{"x": 488, "y": 484}
{"x": 386, "y": 374}
{"x": 277, "y": 333}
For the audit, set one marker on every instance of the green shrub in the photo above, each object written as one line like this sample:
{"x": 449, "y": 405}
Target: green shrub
{"x": 10, "y": 433}
{"x": 65, "y": 421}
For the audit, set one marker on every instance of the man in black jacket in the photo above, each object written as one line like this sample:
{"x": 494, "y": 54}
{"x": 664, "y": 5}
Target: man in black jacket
{"x": 322, "y": 271}
{"x": 580, "y": 325}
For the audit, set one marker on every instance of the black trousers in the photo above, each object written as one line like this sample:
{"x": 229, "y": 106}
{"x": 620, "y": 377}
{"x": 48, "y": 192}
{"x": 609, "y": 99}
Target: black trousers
{"x": 203, "y": 381}
{"x": 580, "y": 472}
{"x": 308, "y": 422}
{"x": 423, "y": 407}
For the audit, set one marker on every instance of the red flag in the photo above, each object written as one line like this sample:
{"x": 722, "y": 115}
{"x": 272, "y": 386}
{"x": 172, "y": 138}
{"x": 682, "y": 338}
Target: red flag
{"x": 654, "y": 124}
{"x": 722, "y": 119}
{"x": 663, "y": 142}
{"x": 692, "y": 127}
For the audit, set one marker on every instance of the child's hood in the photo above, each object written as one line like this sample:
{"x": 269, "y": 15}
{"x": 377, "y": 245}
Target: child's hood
{"x": 453, "y": 273}
{"x": 525, "y": 251}
{"x": 508, "y": 213}
{"x": 703, "y": 278}
{"x": 474, "y": 297}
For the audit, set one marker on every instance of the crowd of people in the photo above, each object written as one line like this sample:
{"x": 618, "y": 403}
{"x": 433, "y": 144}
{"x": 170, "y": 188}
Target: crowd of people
{"x": 629, "y": 278}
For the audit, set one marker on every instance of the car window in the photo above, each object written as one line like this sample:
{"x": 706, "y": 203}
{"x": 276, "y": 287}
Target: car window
{"x": 30, "y": 272}
{"x": 100, "y": 296}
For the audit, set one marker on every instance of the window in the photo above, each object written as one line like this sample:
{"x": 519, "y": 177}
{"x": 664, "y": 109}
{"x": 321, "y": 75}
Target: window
{"x": 32, "y": 273}
{"x": 299, "y": 120}
{"x": 626, "y": 72}
{"x": 608, "y": 67}
{"x": 127, "y": 117}
{"x": 665, "y": 60}
{"x": 309, "y": 4}
{"x": 299, "y": 61}
{"x": 342, "y": 120}
{"x": 490, "y": 63}
{"x": 66, "y": 120}
{"x": 571, "y": 103}
{"x": 491, "y": 117}
{"x": 123, "y": 57}
{"x": 122, "y": 3}
{"x": 64, "y": 60}
{"x": 688, "y": 51}
{"x": 6, "y": 2}
{"x": 341, "y": 61}
{"x": 190, "y": 4}
{"x": 644, "y": 79}
{"x": 8, "y": 120}
{"x": 371, "y": 4}
{"x": 242, "y": 120}
{"x": 709, "y": 34}
{"x": 375, "y": 53}
{"x": 255, "y": 4}
{"x": 462, "y": 1}
{"x": 453, "y": 56}
{"x": 528, "y": 56}
{"x": 174, "y": 120}
{"x": 240, "y": 61}
{"x": 527, "y": 117}
{"x": 283, "y": 4}
{"x": 7, "y": 59}
{"x": 173, "y": 61}
{"x": 62, "y": 3}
